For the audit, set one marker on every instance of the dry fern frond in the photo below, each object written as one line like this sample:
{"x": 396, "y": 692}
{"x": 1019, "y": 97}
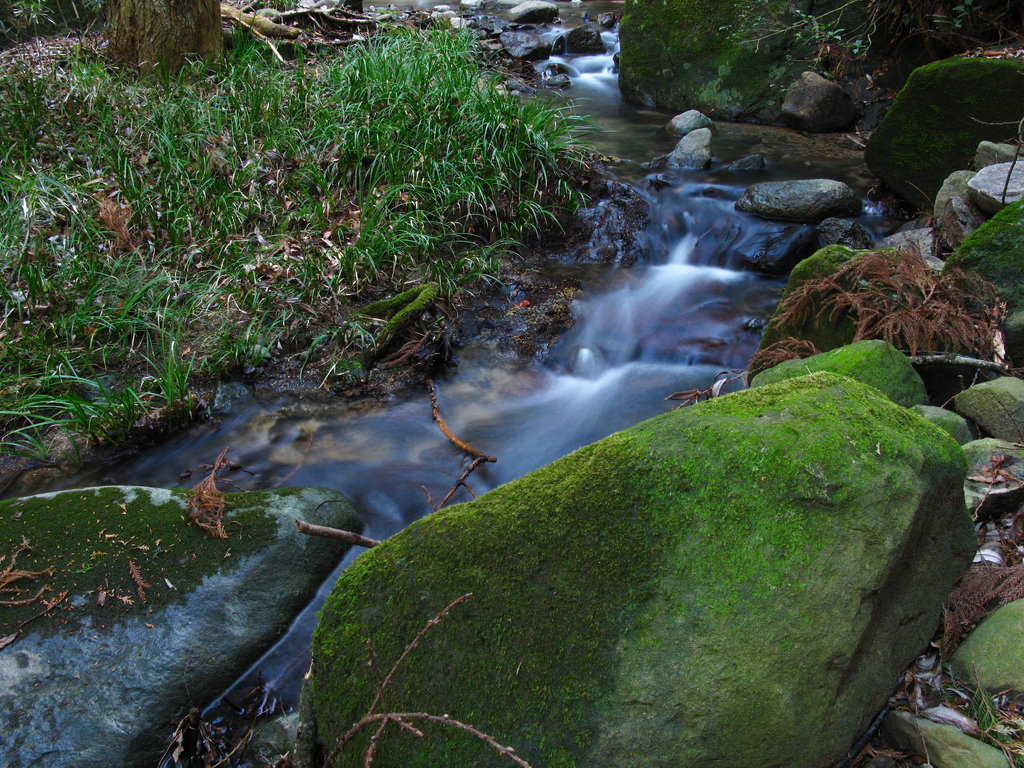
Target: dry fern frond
{"x": 206, "y": 501}
{"x": 11, "y": 574}
{"x": 980, "y": 591}
{"x": 897, "y": 297}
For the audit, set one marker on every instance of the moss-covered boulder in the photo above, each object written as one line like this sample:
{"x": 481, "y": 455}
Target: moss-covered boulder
{"x": 824, "y": 332}
{"x": 993, "y": 654}
{"x": 873, "y": 362}
{"x": 152, "y": 614}
{"x": 699, "y": 54}
{"x": 732, "y": 584}
{"x": 938, "y": 118}
{"x": 995, "y": 477}
{"x": 996, "y": 406}
{"x": 942, "y": 745}
{"x": 995, "y": 250}
{"x": 951, "y": 423}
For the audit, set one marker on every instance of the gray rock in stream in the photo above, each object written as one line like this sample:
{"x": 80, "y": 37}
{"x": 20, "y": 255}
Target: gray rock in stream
{"x": 996, "y": 186}
{"x": 521, "y": 44}
{"x": 693, "y": 150}
{"x": 533, "y": 12}
{"x": 802, "y": 200}
{"x": 101, "y": 683}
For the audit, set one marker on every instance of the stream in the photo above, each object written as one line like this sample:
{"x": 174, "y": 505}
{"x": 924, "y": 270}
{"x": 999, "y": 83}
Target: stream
{"x": 672, "y": 322}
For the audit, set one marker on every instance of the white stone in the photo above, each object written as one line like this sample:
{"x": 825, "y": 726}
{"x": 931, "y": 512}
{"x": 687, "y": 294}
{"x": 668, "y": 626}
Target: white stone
{"x": 989, "y": 190}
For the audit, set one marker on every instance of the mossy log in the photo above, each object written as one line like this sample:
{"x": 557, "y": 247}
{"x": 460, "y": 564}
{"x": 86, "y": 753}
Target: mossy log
{"x": 397, "y": 313}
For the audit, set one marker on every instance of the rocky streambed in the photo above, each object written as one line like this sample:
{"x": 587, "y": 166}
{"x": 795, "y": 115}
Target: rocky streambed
{"x": 578, "y": 570}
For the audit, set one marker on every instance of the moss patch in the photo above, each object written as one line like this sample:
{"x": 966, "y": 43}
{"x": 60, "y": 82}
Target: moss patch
{"x": 699, "y": 54}
{"x": 936, "y": 122}
{"x": 89, "y": 537}
{"x": 614, "y": 588}
{"x": 873, "y": 362}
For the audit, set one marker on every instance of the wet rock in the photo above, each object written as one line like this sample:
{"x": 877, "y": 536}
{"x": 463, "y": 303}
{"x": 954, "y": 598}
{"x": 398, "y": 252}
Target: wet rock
{"x": 662, "y": 547}
{"x": 609, "y": 230}
{"x": 525, "y": 45}
{"x": 993, "y": 654}
{"x": 533, "y": 12}
{"x": 230, "y": 395}
{"x": 693, "y": 150}
{"x": 875, "y": 363}
{"x": 817, "y": 105}
{"x": 607, "y": 20}
{"x": 557, "y": 81}
{"x": 103, "y": 680}
{"x": 995, "y": 477}
{"x": 945, "y": 746}
{"x": 996, "y": 406}
{"x": 923, "y": 242}
{"x": 583, "y": 39}
{"x": 272, "y": 738}
{"x": 996, "y": 186}
{"x": 779, "y": 251}
{"x": 753, "y": 162}
{"x": 687, "y": 122}
{"x": 990, "y": 153}
{"x": 836, "y": 231}
{"x": 955, "y": 426}
{"x": 471, "y": 5}
{"x": 803, "y": 200}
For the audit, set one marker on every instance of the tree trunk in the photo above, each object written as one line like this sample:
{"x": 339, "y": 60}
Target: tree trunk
{"x": 148, "y": 34}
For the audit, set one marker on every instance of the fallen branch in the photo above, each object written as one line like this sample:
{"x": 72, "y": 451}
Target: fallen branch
{"x": 461, "y": 481}
{"x": 334, "y": 533}
{"x": 953, "y": 359}
{"x": 260, "y": 23}
{"x": 436, "y": 413}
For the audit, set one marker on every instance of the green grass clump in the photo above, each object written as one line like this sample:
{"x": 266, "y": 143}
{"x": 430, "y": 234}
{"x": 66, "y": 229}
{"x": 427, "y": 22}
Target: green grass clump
{"x": 152, "y": 231}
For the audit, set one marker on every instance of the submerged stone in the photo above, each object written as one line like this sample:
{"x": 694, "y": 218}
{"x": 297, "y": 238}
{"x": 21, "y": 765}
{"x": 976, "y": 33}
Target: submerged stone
{"x": 158, "y": 614}
{"x": 637, "y": 601}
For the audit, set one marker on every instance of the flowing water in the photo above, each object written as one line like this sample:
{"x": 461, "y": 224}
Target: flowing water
{"x": 673, "y": 322}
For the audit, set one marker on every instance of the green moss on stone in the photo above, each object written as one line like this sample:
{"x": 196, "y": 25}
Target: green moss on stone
{"x": 653, "y": 567}
{"x": 936, "y": 122}
{"x": 700, "y": 54}
{"x": 88, "y": 538}
{"x": 875, "y": 363}
{"x": 821, "y": 331}
{"x": 995, "y": 250}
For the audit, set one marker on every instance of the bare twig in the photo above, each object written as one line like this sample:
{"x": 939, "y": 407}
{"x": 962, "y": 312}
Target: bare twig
{"x": 461, "y": 481}
{"x": 436, "y": 413}
{"x": 335, "y": 533}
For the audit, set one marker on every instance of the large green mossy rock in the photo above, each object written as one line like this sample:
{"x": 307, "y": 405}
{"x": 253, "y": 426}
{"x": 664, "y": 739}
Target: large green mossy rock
{"x": 993, "y": 654}
{"x": 734, "y": 584}
{"x": 702, "y": 54}
{"x": 825, "y": 332}
{"x": 102, "y": 679}
{"x": 875, "y": 363}
{"x": 995, "y": 250}
{"x": 936, "y": 122}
